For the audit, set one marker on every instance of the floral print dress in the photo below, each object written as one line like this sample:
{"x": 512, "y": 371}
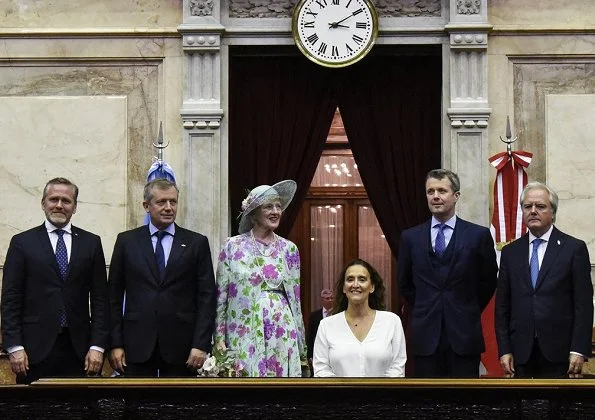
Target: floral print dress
{"x": 258, "y": 306}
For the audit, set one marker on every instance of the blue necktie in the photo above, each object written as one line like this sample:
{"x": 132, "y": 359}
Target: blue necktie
{"x": 62, "y": 260}
{"x": 440, "y": 245}
{"x": 535, "y": 261}
{"x": 159, "y": 253}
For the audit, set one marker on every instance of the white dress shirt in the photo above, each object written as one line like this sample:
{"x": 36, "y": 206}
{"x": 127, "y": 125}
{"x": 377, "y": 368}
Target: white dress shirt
{"x": 337, "y": 352}
{"x": 542, "y": 246}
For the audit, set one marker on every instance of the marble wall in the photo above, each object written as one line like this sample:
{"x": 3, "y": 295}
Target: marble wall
{"x": 83, "y": 89}
{"x": 91, "y": 121}
{"x": 89, "y": 15}
{"x": 542, "y": 74}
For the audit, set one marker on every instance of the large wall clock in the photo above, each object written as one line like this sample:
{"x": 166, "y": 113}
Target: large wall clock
{"x": 335, "y": 33}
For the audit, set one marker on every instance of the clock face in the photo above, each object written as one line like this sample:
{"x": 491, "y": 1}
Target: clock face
{"x": 335, "y": 33}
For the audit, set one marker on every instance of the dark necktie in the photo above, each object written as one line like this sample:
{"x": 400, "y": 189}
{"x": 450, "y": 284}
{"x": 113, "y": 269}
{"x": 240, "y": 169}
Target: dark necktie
{"x": 62, "y": 260}
{"x": 440, "y": 245}
{"x": 535, "y": 261}
{"x": 159, "y": 253}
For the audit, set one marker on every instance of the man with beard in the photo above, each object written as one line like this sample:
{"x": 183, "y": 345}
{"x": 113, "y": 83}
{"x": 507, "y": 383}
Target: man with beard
{"x": 52, "y": 274}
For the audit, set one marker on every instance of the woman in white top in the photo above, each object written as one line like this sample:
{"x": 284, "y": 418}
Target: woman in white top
{"x": 360, "y": 339}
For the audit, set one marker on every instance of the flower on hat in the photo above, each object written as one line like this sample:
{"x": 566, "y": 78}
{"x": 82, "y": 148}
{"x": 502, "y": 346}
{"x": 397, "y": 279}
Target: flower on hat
{"x": 246, "y": 202}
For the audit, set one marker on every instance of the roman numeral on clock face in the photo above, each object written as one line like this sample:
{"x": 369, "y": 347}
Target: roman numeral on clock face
{"x": 335, "y": 51}
{"x": 312, "y": 39}
{"x": 360, "y": 25}
{"x": 357, "y": 39}
{"x": 322, "y": 48}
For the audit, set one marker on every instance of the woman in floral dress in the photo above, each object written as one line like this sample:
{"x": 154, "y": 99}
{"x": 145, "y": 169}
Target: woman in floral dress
{"x": 258, "y": 289}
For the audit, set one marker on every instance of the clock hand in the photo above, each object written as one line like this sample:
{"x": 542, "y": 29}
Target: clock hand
{"x": 336, "y": 24}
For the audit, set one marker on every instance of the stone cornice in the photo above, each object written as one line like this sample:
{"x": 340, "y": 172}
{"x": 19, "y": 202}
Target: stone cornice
{"x": 201, "y": 118}
{"x": 468, "y": 27}
{"x": 512, "y": 30}
{"x": 88, "y": 32}
{"x": 469, "y": 117}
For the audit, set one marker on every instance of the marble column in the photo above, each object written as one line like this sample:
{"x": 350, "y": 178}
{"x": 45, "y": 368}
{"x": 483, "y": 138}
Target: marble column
{"x": 205, "y": 159}
{"x": 468, "y": 110}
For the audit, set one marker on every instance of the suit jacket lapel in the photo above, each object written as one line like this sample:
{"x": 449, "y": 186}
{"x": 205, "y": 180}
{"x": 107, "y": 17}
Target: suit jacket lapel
{"x": 145, "y": 244}
{"x": 177, "y": 249}
{"x": 523, "y": 254}
{"x": 46, "y": 245}
{"x": 426, "y": 240}
{"x": 427, "y": 245}
{"x": 75, "y": 252}
{"x": 554, "y": 247}
{"x": 455, "y": 243}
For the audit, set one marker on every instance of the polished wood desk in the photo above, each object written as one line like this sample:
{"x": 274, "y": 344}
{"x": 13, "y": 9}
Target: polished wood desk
{"x": 271, "y": 398}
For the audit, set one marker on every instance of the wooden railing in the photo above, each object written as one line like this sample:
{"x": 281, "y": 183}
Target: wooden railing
{"x": 272, "y": 398}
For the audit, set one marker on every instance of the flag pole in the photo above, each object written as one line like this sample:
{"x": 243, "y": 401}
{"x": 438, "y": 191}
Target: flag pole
{"x": 159, "y": 145}
{"x": 506, "y": 226}
{"x": 509, "y": 140}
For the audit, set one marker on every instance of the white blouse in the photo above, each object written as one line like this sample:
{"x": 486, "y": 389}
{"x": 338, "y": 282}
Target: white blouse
{"x": 337, "y": 352}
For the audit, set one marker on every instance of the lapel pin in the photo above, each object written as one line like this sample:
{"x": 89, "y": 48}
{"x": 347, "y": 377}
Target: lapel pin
{"x": 183, "y": 245}
{"x": 558, "y": 242}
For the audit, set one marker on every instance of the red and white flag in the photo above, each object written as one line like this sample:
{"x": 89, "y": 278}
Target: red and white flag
{"x": 507, "y": 225}
{"x": 511, "y": 178}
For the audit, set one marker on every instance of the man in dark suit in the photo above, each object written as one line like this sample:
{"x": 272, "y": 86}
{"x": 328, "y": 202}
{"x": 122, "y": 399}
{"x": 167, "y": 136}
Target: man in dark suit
{"x": 51, "y": 275}
{"x": 544, "y": 302}
{"x": 447, "y": 273}
{"x": 166, "y": 274}
{"x": 326, "y": 301}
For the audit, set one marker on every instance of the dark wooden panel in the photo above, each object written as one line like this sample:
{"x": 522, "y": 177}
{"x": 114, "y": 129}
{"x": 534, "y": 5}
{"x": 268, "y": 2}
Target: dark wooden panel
{"x": 247, "y": 398}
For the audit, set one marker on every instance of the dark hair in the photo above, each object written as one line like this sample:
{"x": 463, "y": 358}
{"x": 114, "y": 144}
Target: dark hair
{"x": 60, "y": 181}
{"x": 160, "y": 184}
{"x": 375, "y": 300}
{"x": 455, "y": 183}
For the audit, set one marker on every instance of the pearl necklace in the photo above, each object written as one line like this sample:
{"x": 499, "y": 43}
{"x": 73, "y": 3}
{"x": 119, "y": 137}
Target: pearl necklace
{"x": 257, "y": 247}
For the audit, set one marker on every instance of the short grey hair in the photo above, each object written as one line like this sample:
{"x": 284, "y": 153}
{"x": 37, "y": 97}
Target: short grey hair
{"x": 160, "y": 184}
{"x": 541, "y": 186}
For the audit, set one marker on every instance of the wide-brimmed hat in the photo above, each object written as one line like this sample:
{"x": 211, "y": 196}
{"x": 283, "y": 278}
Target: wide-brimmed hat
{"x": 259, "y": 195}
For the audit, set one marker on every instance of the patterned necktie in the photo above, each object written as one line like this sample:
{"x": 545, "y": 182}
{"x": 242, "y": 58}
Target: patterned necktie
{"x": 62, "y": 260}
{"x": 61, "y": 253}
{"x": 535, "y": 261}
{"x": 159, "y": 253}
{"x": 440, "y": 245}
